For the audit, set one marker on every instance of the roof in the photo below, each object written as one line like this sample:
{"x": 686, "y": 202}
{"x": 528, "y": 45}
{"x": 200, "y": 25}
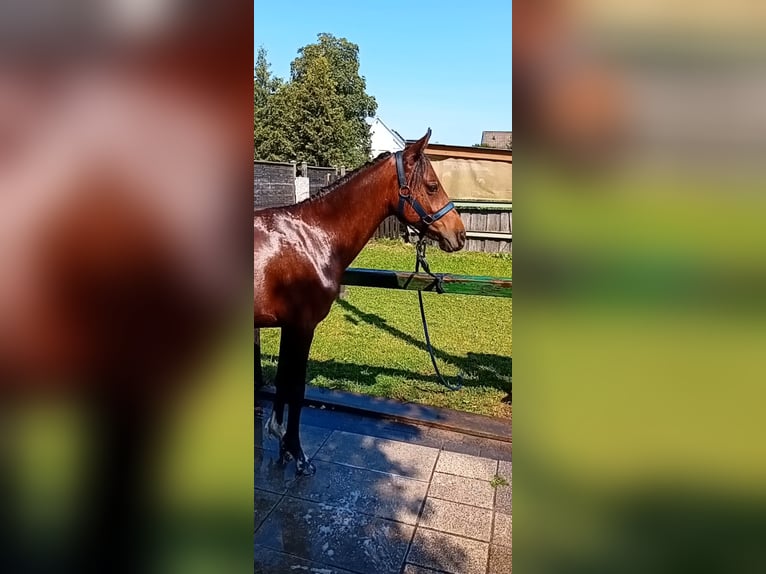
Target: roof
{"x": 398, "y": 135}
{"x": 500, "y": 140}
{"x": 467, "y": 152}
{"x": 394, "y": 133}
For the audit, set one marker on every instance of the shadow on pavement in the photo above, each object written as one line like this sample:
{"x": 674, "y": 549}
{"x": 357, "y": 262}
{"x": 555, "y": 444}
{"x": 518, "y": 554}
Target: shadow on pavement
{"x": 359, "y": 512}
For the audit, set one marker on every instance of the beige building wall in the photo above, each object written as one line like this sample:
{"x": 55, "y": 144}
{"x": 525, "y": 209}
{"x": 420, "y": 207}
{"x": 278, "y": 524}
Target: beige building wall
{"x": 475, "y": 179}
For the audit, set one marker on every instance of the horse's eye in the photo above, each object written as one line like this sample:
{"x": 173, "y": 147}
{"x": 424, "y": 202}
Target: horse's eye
{"x": 432, "y": 187}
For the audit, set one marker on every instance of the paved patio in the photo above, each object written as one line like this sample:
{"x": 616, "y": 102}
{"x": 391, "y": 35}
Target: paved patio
{"x": 386, "y": 498}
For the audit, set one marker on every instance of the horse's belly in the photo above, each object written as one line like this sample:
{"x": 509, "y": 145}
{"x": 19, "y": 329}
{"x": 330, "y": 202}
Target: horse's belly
{"x": 263, "y": 316}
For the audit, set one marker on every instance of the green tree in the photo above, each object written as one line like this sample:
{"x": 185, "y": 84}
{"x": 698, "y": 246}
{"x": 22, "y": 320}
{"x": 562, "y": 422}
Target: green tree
{"x": 313, "y": 110}
{"x": 265, "y": 84}
{"x": 271, "y": 139}
{"x": 319, "y": 116}
{"x": 330, "y": 103}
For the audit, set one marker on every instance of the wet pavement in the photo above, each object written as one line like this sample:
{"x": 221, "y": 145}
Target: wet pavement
{"x": 387, "y": 498}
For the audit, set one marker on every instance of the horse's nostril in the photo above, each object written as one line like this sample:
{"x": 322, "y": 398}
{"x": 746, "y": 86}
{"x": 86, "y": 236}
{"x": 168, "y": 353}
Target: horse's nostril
{"x": 462, "y": 236}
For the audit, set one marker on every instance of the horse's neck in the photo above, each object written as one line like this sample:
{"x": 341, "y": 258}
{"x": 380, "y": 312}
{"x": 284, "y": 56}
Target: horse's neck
{"x": 352, "y": 213}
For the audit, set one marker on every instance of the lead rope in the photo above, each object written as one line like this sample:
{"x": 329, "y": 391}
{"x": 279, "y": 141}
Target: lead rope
{"x": 420, "y": 259}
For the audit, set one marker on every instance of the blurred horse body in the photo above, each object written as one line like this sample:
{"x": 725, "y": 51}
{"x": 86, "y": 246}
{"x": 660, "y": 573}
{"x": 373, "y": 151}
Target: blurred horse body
{"x": 94, "y": 229}
{"x": 124, "y": 166}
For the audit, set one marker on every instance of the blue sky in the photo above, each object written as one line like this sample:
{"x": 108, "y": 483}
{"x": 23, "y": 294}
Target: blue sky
{"x": 444, "y": 65}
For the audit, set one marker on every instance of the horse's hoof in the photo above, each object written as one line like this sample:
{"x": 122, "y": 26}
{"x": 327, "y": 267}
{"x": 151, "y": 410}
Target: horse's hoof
{"x": 285, "y": 455}
{"x": 304, "y": 468}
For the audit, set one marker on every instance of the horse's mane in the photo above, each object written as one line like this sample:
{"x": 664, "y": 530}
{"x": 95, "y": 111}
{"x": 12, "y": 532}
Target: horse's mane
{"x": 330, "y": 187}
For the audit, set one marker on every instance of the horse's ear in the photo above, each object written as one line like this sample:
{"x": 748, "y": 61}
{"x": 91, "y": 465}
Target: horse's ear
{"x": 415, "y": 150}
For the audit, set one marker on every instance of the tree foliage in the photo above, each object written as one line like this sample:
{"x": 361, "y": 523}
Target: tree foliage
{"x": 264, "y": 84}
{"x": 319, "y": 115}
{"x": 269, "y": 126}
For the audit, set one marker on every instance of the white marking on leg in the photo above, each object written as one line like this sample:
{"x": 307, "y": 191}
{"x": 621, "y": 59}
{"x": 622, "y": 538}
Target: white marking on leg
{"x": 274, "y": 428}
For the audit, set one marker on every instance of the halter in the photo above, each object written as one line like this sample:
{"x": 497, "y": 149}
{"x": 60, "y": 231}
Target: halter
{"x": 405, "y": 196}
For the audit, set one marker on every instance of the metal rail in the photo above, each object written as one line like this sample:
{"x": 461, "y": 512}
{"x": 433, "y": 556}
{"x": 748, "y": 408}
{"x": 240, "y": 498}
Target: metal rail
{"x": 453, "y": 284}
{"x": 483, "y": 204}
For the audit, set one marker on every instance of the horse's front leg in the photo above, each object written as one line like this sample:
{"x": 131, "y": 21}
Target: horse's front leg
{"x": 257, "y": 367}
{"x": 291, "y": 378}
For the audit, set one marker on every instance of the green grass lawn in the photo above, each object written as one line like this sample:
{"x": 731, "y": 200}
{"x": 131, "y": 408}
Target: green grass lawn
{"x": 372, "y": 341}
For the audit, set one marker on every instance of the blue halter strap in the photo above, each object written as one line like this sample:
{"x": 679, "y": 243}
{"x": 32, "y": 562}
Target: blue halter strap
{"x": 405, "y": 196}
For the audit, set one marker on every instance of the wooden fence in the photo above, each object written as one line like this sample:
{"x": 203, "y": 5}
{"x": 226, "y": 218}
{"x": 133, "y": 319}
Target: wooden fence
{"x": 488, "y": 225}
{"x": 389, "y": 229}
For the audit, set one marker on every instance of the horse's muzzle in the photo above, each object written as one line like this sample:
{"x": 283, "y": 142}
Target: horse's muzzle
{"x": 450, "y": 242}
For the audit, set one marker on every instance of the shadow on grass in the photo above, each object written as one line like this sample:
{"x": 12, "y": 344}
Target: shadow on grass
{"x": 357, "y": 514}
{"x": 340, "y": 374}
{"x": 476, "y": 369}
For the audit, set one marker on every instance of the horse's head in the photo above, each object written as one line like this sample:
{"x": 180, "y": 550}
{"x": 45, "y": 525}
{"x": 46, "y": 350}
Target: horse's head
{"x": 421, "y": 201}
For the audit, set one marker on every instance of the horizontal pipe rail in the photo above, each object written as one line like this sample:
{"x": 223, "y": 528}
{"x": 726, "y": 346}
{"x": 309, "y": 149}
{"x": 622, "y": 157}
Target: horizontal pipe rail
{"x": 506, "y": 235}
{"x": 453, "y": 284}
{"x": 489, "y": 205}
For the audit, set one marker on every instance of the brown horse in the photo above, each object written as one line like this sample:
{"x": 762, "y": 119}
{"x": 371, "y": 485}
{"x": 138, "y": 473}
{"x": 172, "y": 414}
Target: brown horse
{"x": 301, "y": 252}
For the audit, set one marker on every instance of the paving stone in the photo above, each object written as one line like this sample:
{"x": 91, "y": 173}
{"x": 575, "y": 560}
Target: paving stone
{"x": 462, "y": 489}
{"x": 502, "y": 451}
{"x": 394, "y": 457}
{"x": 455, "y": 518}
{"x": 270, "y": 473}
{"x": 459, "y": 447}
{"x": 438, "y": 436}
{"x": 332, "y": 419}
{"x": 391, "y": 430}
{"x": 475, "y": 442}
{"x": 426, "y": 439}
{"x": 500, "y": 560}
{"x": 384, "y": 495}
{"x": 503, "y": 531}
{"x": 448, "y": 553}
{"x": 311, "y": 438}
{"x": 264, "y": 502}
{"x": 269, "y": 561}
{"x": 455, "y": 442}
{"x": 348, "y": 529}
{"x": 504, "y": 499}
{"x": 466, "y": 465}
{"x": 412, "y": 569}
{"x": 336, "y": 536}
